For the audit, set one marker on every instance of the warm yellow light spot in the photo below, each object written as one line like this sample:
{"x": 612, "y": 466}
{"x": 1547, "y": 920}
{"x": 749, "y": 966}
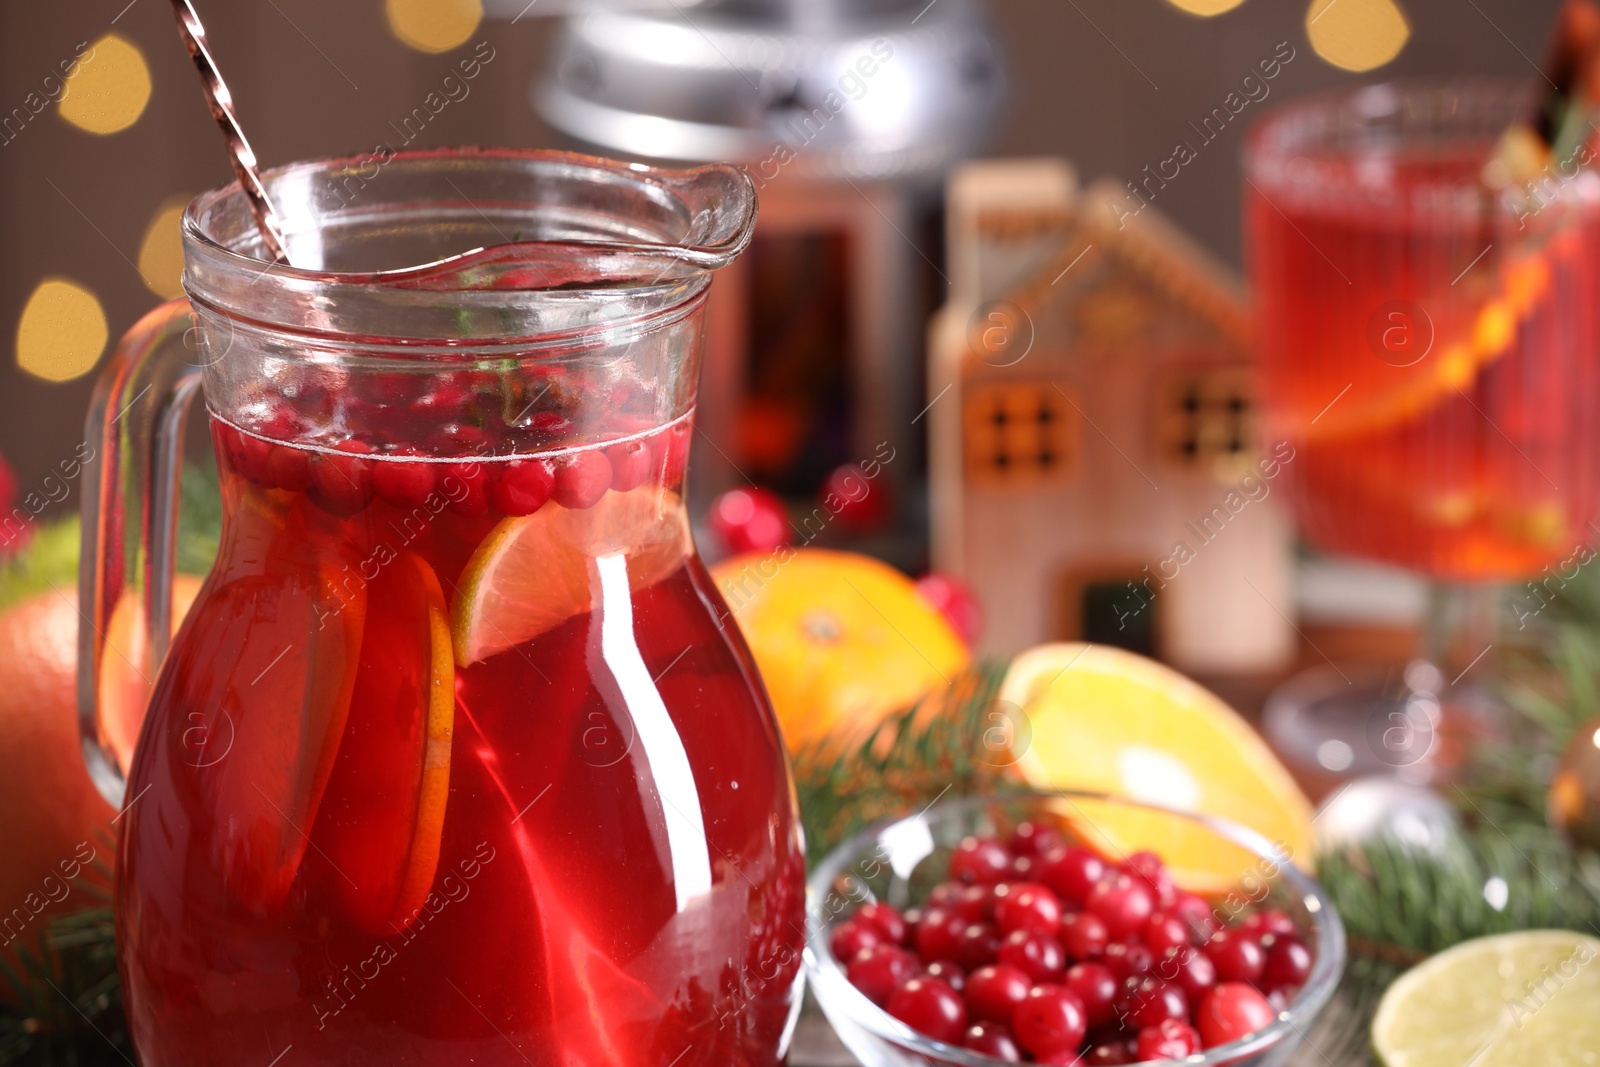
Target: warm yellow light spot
{"x": 1205, "y": 7}
{"x": 1357, "y": 34}
{"x": 62, "y": 331}
{"x": 161, "y": 251}
{"x": 1456, "y": 366}
{"x": 433, "y": 25}
{"x": 110, "y": 88}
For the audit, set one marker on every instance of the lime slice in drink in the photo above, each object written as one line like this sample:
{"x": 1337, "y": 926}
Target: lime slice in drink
{"x": 534, "y": 572}
{"x": 1526, "y": 999}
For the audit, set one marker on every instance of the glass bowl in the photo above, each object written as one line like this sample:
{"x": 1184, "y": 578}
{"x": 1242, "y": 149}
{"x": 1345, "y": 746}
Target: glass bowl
{"x": 899, "y": 862}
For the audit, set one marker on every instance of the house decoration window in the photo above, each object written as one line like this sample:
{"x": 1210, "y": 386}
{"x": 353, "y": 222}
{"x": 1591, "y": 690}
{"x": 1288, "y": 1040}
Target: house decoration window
{"x": 1206, "y": 420}
{"x": 1019, "y": 433}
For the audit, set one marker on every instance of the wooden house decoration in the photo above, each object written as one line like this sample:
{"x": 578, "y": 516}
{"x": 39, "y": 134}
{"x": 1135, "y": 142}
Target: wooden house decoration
{"x": 1094, "y": 473}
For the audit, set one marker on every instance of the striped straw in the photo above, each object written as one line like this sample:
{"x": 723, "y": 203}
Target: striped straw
{"x": 240, "y": 154}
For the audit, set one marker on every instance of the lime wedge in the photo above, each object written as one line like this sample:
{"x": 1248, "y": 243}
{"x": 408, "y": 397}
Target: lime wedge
{"x": 534, "y": 572}
{"x": 1526, "y": 999}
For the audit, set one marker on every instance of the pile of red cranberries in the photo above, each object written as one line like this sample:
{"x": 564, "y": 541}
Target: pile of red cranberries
{"x": 1040, "y": 951}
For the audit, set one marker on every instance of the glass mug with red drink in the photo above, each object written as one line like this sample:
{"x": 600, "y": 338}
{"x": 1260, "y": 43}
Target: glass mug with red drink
{"x": 457, "y": 757}
{"x": 1430, "y": 347}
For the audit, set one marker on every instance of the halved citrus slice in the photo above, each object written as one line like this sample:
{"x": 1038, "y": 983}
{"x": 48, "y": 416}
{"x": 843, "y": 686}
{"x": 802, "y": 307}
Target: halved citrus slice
{"x": 534, "y": 572}
{"x": 841, "y": 640}
{"x": 1524, "y": 999}
{"x": 382, "y": 816}
{"x": 1109, "y": 721}
{"x": 259, "y": 692}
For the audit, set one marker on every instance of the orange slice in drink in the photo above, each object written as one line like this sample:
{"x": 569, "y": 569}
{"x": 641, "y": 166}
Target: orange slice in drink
{"x": 1107, "y": 721}
{"x": 534, "y": 572}
{"x": 125, "y": 684}
{"x": 260, "y": 689}
{"x": 382, "y": 816}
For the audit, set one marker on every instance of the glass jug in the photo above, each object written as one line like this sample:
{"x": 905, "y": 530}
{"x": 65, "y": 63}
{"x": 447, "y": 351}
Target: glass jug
{"x": 458, "y": 756}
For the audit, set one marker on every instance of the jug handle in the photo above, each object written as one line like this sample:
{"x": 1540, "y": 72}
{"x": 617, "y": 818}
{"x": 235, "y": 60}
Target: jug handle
{"x": 135, "y": 426}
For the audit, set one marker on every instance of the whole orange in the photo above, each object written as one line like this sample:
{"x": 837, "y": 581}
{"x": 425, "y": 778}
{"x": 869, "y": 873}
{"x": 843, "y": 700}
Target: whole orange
{"x": 53, "y": 823}
{"x": 56, "y": 835}
{"x": 841, "y": 640}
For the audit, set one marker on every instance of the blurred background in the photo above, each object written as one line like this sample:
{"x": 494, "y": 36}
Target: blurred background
{"x": 90, "y": 189}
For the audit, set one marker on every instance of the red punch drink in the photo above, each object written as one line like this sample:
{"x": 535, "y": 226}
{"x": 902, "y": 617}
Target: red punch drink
{"x": 458, "y": 758}
{"x": 462, "y": 763}
{"x": 1431, "y": 352}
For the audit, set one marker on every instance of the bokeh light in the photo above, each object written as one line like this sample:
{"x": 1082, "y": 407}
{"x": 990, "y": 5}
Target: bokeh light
{"x": 433, "y": 25}
{"x": 161, "y": 251}
{"x": 110, "y": 89}
{"x": 1357, "y": 35}
{"x": 1205, "y": 7}
{"x": 62, "y": 331}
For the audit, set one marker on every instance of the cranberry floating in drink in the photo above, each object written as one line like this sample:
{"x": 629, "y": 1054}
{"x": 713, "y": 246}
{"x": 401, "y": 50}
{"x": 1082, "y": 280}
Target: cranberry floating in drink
{"x": 455, "y": 759}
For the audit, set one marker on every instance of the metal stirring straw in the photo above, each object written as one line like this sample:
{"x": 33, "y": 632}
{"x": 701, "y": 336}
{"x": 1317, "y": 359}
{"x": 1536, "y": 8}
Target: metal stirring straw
{"x": 240, "y": 153}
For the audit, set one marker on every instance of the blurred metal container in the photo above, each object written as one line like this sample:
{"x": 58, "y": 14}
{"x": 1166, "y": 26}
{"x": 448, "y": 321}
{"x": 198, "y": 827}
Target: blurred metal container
{"x": 847, "y": 116}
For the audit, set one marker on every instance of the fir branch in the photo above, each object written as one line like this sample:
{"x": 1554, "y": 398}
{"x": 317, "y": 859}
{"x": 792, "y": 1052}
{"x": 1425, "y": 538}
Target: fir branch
{"x": 935, "y": 748}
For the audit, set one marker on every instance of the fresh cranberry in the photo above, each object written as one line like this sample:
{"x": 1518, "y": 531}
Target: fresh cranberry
{"x": 1128, "y": 960}
{"x": 947, "y": 972}
{"x": 1071, "y": 873}
{"x": 930, "y": 1007}
{"x": 1238, "y": 956}
{"x": 1231, "y": 1011}
{"x": 289, "y": 468}
{"x": 977, "y": 944}
{"x": 523, "y": 487}
{"x": 1049, "y": 1020}
{"x": 1148, "y": 867}
{"x": 1280, "y": 999}
{"x": 1150, "y": 1001}
{"x": 939, "y": 935}
{"x": 631, "y": 464}
{"x": 466, "y": 485}
{"x": 341, "y": 483}
{"x": 404, "y": 484}
{"x": 884, "y": 918}
{"x": 1123, "y": 900}
{"x": 1164, "y": 931}
{"x": 913, "y": 917}
{"x": 1172, "y": 1039}
{"x": 955, "y": 600}
{"x": 1039, "y": 954}
{"x": 975, "y": 903}
{"x": 1084, "y": 935}
{"x": 979, "y": 860}
{"x": 1110, "y": 1053}
{"x": 878, "y": 970}
{"x": 1022, "y": 867}
{"x": 992, "y": 1039}
{"x": 856, "y": 501}
{"x": 1288, "y": 964}
{"x": 850, "y": 937}
{"x": 993, "y": 992}
{"x": 1096, "y": 987}
{"x": 945, "y": 895}
{"x": 1269, "y": 923}
{"x": 1200, "y": 917}
{"x": 1035, "y": 839}
{"x": 750, "y": 520}
{"x": 1028, "y": 906}
{"x": 1189, "y": 968}
{"x": 582, "y": 478}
